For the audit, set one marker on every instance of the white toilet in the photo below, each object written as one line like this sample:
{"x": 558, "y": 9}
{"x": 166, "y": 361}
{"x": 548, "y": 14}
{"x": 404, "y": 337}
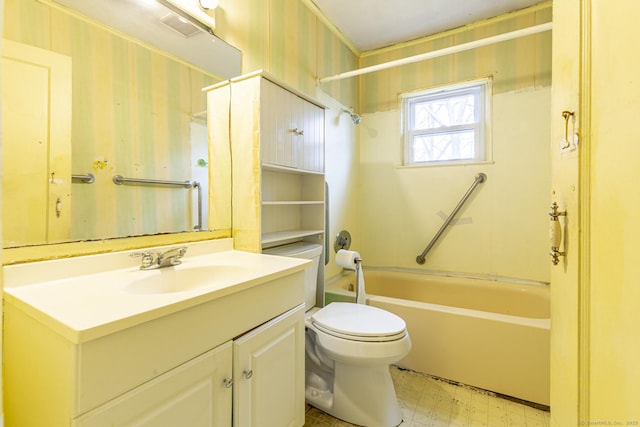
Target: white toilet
{"x": 349, "y": 348}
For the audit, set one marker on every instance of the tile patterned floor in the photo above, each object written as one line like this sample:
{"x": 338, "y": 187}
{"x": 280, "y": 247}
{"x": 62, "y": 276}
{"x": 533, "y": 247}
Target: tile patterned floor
{"x": 429, "y": 402}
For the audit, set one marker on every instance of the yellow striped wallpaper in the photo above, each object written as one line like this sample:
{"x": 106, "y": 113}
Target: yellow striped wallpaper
{"x": 514, "y": 65}
{"x": 286, "y": 39}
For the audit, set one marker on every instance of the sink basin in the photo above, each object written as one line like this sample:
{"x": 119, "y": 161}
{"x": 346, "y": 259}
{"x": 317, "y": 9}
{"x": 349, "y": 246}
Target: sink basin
{"x": 181, "y": 279}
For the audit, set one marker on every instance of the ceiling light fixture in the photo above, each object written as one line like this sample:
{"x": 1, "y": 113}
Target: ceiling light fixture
{"x": 195, "y": 11}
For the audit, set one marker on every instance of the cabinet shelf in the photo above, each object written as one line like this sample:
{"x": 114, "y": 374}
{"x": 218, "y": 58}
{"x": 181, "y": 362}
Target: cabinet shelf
{"x": 291, "y": 202}
{"x": 278, "y": 236}
{"x": 285, "y": 169}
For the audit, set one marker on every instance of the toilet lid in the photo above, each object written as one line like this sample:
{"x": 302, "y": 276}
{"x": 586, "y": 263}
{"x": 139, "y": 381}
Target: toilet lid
{"x": 359, "y": 322}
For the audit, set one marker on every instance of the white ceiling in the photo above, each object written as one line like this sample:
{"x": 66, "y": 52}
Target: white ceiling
{"x": 372, "y": 24}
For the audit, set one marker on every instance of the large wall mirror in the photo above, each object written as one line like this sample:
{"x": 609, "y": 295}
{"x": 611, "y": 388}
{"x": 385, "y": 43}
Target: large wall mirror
{"x": 95, "y": 89}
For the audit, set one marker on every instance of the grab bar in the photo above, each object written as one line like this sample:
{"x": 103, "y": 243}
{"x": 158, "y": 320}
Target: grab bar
{"x": 119, "y": 180}
{"x": 86, "y": 178}
{"x": 326, "y": 223}
{"x": 479, "y": 179}
{"x": 198, "y": 226}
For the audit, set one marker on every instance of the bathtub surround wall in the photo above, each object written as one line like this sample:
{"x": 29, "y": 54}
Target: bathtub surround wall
{"x": 503, "y": 228}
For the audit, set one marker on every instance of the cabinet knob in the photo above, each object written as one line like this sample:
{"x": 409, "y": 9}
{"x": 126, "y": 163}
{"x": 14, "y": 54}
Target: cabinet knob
{"x": 247, "y": 373}
{"x": 297, "y": 131}
{"x": 227, "y": 382}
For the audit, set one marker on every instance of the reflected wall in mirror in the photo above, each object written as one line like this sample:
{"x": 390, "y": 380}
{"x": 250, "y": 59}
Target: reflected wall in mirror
{"x": 118, "y": 107}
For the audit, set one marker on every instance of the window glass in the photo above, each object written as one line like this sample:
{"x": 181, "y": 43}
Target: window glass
{"x": 447, "y": 124}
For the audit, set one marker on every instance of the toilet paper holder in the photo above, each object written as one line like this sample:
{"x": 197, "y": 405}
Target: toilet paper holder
{"x": 343, "y": 241}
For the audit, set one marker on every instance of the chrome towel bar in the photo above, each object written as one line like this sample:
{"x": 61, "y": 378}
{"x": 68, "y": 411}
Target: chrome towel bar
{"x": 119, "y": 180}
{"x": 479, "y": 179}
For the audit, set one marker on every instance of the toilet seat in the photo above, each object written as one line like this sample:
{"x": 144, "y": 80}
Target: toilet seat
{"x": 359, "y": 322}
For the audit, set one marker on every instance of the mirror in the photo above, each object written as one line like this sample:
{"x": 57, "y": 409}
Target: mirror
{"x": 91, "y": 102}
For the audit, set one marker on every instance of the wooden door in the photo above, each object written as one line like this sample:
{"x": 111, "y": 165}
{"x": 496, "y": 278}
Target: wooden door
{"x": 613, "y": 349}
{"x": 565, "y": 191}
{"x": 36, "y": 152}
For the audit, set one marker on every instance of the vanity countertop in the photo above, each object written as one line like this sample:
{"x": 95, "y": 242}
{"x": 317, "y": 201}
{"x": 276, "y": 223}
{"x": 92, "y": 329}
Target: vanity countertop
{"x": 88, "y": 297}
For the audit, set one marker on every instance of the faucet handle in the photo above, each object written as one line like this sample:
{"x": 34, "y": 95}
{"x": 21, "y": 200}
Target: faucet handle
{"x": 147, "y": 256}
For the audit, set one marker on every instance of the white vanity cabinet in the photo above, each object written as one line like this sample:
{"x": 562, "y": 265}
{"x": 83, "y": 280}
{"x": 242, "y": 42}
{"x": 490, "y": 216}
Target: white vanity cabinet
{"x": 181, "y": 363}
{"x": 196, "y": 394}
{"x": 254, "y": 380}
{"x": 277, "y": 142}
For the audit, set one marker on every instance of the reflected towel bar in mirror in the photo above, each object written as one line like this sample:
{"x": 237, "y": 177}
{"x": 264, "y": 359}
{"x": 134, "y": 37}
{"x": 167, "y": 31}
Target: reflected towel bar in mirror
{"x": 86, "y": 178}
{"x": 119, "y": 180}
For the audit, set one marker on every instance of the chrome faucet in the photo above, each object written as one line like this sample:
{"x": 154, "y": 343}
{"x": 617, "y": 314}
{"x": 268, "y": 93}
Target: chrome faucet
{"x": 170, "y": 257}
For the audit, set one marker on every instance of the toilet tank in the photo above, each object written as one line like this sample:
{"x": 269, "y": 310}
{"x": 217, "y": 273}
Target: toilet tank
{"x": 305, "y": 250}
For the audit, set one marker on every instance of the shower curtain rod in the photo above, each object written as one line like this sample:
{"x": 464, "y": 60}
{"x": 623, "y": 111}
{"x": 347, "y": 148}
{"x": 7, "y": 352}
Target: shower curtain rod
{"x": 441, "y": 52}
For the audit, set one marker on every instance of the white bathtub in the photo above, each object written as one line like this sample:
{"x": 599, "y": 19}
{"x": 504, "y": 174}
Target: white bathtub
{"x": 489, "y": 334}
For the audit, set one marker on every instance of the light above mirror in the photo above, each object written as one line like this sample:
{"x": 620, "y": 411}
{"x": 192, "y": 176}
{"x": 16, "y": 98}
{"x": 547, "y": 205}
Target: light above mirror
{"x": 148, "y": 21}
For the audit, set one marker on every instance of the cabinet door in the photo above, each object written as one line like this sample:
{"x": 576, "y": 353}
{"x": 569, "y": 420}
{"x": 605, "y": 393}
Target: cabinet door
{"x": 278, "y": 125}
{"x": 311, "y": 155}
{"x": 291, "y": 130}
{"x": 268, "y": 367}
{"x": 197, "y": 393}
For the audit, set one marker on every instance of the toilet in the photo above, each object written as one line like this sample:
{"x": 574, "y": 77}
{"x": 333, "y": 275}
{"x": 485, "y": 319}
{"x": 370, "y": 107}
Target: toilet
{"x": 349, "y": 348}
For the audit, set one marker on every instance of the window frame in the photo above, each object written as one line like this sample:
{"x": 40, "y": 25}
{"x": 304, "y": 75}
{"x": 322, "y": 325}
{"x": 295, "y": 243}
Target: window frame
{"x": 481, "y": 128}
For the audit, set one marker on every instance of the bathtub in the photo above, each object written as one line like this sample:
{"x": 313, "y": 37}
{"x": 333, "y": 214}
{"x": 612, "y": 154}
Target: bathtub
{"x": 485, "y": 333}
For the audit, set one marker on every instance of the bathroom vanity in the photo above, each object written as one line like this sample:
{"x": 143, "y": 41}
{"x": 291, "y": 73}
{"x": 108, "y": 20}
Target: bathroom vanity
{"x": 215, "y": 341}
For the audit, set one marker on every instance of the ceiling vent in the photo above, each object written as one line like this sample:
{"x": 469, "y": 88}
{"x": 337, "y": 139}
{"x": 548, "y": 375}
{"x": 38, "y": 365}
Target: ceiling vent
{"x": 180, "y": 25}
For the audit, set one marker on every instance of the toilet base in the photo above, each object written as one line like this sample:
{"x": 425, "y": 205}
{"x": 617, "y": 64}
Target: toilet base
{"x": 361, "y": 395}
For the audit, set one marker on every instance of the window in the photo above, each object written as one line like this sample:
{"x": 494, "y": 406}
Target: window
{"x": 448, "y": 124}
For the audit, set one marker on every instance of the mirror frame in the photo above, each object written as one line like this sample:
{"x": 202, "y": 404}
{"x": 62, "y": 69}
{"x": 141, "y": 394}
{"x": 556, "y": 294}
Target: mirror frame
{"x": 75, "y": 248}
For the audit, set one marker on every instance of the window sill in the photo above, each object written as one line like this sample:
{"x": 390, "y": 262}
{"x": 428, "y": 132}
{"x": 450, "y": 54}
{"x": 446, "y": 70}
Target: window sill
{"x": 445, "y": 164}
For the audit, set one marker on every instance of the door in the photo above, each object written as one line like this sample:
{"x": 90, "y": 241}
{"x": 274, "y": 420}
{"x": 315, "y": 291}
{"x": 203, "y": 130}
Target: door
{"x": 268, "y": 372}
{"x": 36, "y": 152}
{"x": 565, "y": 191}
{"x": 614, "y": 291}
